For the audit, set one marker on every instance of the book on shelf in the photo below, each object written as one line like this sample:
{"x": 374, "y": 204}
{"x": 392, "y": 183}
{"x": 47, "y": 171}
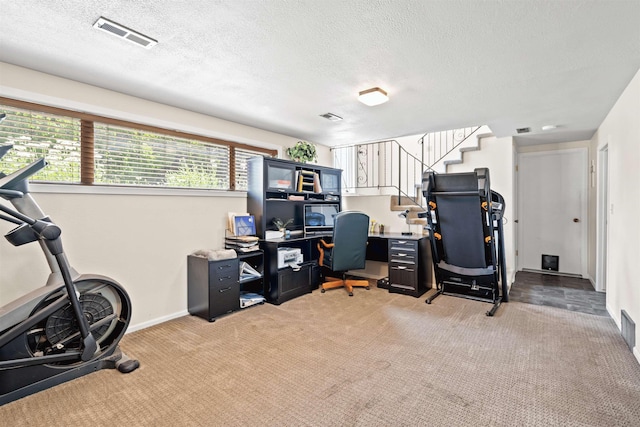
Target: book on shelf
{"x": 305, "y": 181}
{"x": 317, "y": 188}
{"x": 244, "y": 225}
{"x": 243, "y": 239}
{"x": 246, "y": 250}
{"x": 239, "y": 243}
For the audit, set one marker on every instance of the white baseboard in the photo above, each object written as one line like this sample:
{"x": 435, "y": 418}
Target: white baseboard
{"x": 157, "y": 321}
{"x": 610, "y": 311}
{"x": 636, "y": 349}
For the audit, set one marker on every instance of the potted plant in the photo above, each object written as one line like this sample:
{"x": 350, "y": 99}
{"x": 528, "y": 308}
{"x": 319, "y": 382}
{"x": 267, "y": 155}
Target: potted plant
{"x": 303, "y": 152}
{"x": 282, "y": 225}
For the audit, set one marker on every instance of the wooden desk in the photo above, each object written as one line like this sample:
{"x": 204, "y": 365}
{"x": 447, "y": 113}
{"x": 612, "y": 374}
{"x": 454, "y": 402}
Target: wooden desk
{"x": 408, "y": 258}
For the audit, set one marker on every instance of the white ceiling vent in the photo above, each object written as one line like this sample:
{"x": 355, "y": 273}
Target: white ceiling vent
{"x": 331, "y": 116}
{"x": 123, "y": 32}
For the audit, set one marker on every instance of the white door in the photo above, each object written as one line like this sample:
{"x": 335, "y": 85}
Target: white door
{"x": 552, "y": 209}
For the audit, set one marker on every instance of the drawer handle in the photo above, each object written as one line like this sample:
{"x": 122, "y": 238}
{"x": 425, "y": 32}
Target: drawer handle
{"x": 222, "y": 267}
{"x": 220, "y": 279}
{"x": 225, "y": 289}
{"x": 401, "y": 267}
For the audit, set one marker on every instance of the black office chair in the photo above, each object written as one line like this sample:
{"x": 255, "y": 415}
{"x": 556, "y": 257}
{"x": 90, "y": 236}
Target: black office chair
{"x": 347, "y": 251}
{"x": 465, "y": 222}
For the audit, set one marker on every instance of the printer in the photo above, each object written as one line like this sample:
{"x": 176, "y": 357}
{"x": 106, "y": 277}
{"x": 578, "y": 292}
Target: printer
{"x": 289, "y": 257}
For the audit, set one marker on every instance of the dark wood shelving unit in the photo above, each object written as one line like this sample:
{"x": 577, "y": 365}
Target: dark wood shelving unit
{"x": 280, "y": 189}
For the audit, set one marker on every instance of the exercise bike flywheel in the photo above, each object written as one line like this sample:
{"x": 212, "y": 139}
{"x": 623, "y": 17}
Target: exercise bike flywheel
{"x": 62, "y": 324}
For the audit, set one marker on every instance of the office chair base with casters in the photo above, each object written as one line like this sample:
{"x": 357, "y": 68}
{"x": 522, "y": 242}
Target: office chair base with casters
{"x": 348, "y": 284}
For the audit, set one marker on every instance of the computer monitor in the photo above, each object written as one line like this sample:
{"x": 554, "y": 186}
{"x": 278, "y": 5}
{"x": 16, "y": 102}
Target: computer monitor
{"x": 319, "y": 217}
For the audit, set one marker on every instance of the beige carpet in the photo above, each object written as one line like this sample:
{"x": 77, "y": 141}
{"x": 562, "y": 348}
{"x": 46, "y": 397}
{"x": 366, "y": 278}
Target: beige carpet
{"x": 375, "y": 359}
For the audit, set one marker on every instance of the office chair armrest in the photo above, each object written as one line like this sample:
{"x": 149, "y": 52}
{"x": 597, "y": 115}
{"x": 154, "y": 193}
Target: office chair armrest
{"x": 325, "y": 244}
{"x": 321, "y": 250}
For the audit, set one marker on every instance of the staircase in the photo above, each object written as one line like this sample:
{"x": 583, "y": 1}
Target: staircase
{"x": 388, "y": 167}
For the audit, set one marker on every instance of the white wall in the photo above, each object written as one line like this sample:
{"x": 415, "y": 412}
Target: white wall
{"x": 140, "y": 239}
{"x": 497, "y": 155}
{"x": 620, "y": 130}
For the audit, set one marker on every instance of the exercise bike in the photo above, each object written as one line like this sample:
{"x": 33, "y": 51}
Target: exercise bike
{"x": 66, "y": 329}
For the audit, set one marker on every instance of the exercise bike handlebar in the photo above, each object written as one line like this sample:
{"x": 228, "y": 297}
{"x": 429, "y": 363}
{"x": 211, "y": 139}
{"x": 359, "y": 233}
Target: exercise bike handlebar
{"x": 10, "y": 194}
{"x": 17, "y": 180}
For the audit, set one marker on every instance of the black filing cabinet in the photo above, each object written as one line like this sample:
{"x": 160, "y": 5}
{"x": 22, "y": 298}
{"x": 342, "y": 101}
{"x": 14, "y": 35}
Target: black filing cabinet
{"x": 409, "y": 266}
{"x": 212, "y": 286}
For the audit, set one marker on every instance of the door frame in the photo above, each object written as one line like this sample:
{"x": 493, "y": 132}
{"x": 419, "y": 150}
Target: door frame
{"x": 584, "y": 209}
{"x": 602, "y": 219}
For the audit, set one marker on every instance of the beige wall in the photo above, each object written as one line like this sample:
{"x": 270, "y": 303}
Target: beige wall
{"x": 141, "y": 241}
{"x": 140, "y": 238}
{"x": 620, "y": 131}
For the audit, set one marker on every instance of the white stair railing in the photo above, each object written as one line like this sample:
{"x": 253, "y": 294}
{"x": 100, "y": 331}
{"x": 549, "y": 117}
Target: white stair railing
{"x": 386, "y": 165}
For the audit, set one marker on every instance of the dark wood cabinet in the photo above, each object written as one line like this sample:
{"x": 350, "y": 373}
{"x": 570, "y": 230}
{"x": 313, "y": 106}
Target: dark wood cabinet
{"x": 409, "y": 266}
{"x": 283, "y": 284}
{"x": 280, "y": 188}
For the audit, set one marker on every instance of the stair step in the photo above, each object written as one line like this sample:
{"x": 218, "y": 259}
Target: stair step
{"x": 422, "y": 221}
{"x": 405, "y": 203}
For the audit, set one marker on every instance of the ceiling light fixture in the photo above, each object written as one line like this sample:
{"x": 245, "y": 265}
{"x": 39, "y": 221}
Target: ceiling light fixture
{"x": 373, "y": 96}
{"x": 549, "y": 127}
{"x": 123, "y": 32}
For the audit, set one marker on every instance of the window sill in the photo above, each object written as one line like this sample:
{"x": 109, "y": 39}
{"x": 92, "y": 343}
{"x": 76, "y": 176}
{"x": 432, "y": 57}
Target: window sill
{"x": 130, "y": 191}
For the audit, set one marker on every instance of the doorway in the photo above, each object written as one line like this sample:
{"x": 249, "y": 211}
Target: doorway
{"x": 552, "y": 210}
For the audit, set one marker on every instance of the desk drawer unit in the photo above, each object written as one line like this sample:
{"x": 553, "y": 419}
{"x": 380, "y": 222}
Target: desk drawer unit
{"x": 213, "y": 288}
{"x": 409, "y": 266}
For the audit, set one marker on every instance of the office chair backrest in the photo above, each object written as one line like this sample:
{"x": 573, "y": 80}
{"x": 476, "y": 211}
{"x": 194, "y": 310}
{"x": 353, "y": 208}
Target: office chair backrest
{"x": 462, "y": 220}
{"x": 350, "y": 233}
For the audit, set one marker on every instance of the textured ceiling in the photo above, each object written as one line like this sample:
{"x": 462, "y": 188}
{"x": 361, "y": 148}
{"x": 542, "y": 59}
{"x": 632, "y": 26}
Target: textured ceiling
{"x": 278, "y": 64}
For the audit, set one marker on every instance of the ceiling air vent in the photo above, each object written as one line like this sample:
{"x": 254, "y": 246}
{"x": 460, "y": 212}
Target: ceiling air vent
{"x": 123, "y": 32}
{"x": 523, "y": 130}
{"x": 331, "y": 116}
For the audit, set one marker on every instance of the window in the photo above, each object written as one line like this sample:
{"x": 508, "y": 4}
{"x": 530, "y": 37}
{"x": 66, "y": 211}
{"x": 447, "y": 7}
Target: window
{"x": 241, "y": 158}
{"x": 33, "y": 136}
{"x": 128, "y": 156}
{"x": 81, "y": 148}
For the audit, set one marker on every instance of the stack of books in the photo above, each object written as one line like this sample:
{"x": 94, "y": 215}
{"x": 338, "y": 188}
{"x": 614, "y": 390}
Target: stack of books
{"x": 241, "y": 233}
{"x": 241, "y": 243}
